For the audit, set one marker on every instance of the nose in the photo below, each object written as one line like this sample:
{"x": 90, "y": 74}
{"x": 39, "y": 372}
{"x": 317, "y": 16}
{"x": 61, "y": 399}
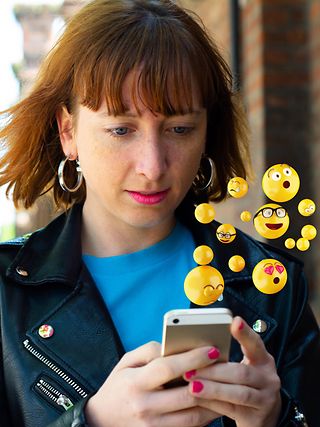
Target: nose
{"x": 151, "y": 159}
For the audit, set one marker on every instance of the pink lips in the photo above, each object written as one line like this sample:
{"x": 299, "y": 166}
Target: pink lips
{"x": 148, "y": 198}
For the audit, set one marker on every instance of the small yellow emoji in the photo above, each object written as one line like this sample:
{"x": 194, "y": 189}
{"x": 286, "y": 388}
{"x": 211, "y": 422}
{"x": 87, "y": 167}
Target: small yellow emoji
{"x": 309, "y": 232}
{"x": 203, "y": 255}
{"x": 203, "y": 285}
{"x": 269, "y": 276}
{"x": 280, "y": 183}
{"x": 290, "y": 243}
{"x": 236, "y": 263}
{"x": 237, "y": 187}
{"x": 271, "y": 221}
{"x": 204, "y": 213}
{"x": 226, "y": 233}
{"x": 306, "y": 207}
{"x": 245, "y": 216}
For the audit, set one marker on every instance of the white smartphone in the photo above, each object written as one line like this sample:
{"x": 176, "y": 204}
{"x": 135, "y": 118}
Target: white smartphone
{"x": 195, "y": 327}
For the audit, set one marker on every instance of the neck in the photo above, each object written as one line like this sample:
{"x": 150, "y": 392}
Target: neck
{"x": 104, "y": 238}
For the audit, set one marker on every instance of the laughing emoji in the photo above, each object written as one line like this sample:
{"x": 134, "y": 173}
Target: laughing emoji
{"x": 203, "y": 285}
{"x": 271, "y": 221}
{"x": 280, "y": 183}
{"x": 269, "y": 276}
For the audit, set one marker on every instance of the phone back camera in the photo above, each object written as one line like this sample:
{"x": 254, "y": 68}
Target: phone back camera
{"x": 175, "y": 321}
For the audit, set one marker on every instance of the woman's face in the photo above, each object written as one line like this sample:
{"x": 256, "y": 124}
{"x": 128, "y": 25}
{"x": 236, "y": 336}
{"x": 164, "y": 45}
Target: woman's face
{"x": 137, "y": 168}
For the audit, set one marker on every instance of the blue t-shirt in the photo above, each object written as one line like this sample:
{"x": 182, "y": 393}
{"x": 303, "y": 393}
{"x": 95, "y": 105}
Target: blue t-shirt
{"x": 138, "y": 288}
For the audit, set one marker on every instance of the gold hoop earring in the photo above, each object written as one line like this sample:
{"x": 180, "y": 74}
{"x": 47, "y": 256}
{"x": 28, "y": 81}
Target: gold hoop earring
{"x": 62, "y": 183}
{"x": 199, "y": 183}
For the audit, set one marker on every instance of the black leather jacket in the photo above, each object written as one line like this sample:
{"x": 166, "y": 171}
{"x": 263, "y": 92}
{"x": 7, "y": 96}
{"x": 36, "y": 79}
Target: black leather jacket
{"x": 43, "y": 281}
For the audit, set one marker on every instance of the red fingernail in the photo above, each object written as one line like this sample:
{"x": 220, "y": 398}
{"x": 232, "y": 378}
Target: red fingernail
{"x": 197, "y": 386}
{"x": 214, "y": 353}
{"x": 241, "y": 326}
{"x": 190, "y": 374}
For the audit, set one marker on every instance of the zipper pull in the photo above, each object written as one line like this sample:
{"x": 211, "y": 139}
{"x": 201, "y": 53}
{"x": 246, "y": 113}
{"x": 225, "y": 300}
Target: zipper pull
{"x": 64, "y": 401}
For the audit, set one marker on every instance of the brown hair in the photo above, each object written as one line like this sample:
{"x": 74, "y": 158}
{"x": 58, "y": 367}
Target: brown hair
{"x": 100, "y": 45}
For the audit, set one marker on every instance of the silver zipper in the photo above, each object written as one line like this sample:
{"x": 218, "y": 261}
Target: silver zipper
{"x": 54, "y": 395}
{"x": 54, "y": 368}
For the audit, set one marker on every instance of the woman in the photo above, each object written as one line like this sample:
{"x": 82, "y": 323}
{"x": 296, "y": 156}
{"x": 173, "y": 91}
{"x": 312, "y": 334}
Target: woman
{"x": 131, "y": 109}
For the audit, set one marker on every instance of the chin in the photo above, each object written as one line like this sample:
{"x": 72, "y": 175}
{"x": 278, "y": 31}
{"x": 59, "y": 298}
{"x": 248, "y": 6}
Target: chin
{"x": 150, "y": 221}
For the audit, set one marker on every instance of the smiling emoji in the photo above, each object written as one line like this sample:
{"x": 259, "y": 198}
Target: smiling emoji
{"x": 280, "y": 183}
{"x": 226, "y": 233}
{"x": 237, "y": 187}
{"x": 271, "y": 221}
{"x": 203, "y": 285}
{"x": 269, "y": 276}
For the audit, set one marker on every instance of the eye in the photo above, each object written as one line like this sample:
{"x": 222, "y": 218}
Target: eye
{"x": 287, "y": 172}
{"x": 276, "y": 176}
{"x": 181, "y": 130}
{"x": 120, "y": 131}
{"x": 267, "y": 213}
{"x": 281, "y": 213}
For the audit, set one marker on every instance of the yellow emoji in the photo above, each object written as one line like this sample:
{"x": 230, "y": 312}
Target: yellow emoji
{"x": 236, "y": 263}
{"x": 280, "y": 183}
{"x": 271, "y": 221}
{"x": 237, "y": 187}
{"x": 203, "y": 285}
{"x": 269, "y": 276}
{"x": 204, "y": 213}
{"x": 203, "y": 255}
{"x": 306, "y": 207}
{"x": 309, "y": 232}
{"x": 245, "y": 216}
{"x": 226, "y": 233}
{"x": 303, "y": 244}
{"x": 290, "y": 243}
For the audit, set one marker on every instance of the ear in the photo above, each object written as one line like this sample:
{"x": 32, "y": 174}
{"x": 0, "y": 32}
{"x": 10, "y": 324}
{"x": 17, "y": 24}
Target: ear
{"x": 66, "y": 132}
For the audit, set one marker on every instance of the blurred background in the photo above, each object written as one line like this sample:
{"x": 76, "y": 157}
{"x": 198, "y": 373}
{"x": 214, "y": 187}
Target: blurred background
{"x": 273, "y": 48}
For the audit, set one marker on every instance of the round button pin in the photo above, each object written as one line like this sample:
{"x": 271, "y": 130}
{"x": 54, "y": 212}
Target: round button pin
{"x": 46, "y": 331}
{"x": 22, "y": 272}
{"x": 259, "y": 326}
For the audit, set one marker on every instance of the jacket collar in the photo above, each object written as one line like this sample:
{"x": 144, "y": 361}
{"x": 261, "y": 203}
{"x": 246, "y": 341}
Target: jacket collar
{"x": 52, "y": 253}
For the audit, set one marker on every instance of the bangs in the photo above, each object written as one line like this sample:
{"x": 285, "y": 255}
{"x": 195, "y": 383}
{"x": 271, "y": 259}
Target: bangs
{"x": 168, "y": 69}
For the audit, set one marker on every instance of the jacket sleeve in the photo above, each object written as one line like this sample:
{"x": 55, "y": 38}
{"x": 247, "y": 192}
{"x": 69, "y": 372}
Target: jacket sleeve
{"x": 300, "y": 370}
{"x": 74, "y": 417}
{"x": 4, "y": 413}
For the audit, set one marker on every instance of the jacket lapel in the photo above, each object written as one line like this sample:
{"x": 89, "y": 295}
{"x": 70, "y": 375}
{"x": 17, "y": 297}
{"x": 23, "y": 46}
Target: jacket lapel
{"x": 85, "y": 343}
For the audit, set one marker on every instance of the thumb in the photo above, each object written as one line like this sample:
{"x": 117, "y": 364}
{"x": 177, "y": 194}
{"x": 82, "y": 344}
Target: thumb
{"x": 252, "y": 346}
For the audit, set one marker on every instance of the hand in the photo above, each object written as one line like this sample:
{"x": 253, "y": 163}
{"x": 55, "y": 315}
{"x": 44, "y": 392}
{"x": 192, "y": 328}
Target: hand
{"x": 133, "y": 394}
{"x": 247, "y": 392}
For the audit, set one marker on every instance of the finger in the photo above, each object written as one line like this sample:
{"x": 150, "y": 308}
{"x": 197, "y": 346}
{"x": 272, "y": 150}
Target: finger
{"x": 232, "y": 373}
{"x": 141, "y": 356}
{"x": 224, "y": 408}
{"x": 194, "y": 417}
{"x": 252, "y": 345}
{"x": 231, "y": 393}
{"x": 164, "y": 369}
{"x": 170, "y": 400}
